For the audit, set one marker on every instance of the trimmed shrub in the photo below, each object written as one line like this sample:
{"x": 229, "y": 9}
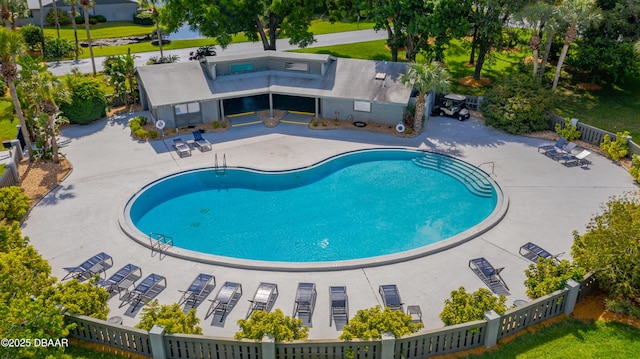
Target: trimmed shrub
{"x": 93, "y": 20}
{"x": 568, "y": 132}
{"x": 547, "y": 276}
{"x": 143, "y": 18}
{"x": 282, "y": 327}
{"x": 634, "y": 170}
{"x": 618, "y": 148}
{"x": 79, "y": 20}
{"x": 171, "y": 317}
{"x": 63, "y": 18}
{"x": 13, "y": 203}
{"x": 101, "y": 18}
{"x": 88, "y": 100}
{"x": 518, "y": 105}
{"x": 137, "y": 131}
{"x": 372, "y": 322}
{"x": 32, "y": 35}
{"x": 55, "y": 48}
{"x": 464, "y": 307}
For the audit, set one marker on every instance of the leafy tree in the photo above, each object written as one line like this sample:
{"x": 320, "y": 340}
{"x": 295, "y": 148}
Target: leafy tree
{"x": 121, "y": 73}
{"x": 464, "y": 307}
{"x": 86, "y": 4}
{"x": 262, "y": 20}
{"x": 32, "y": 36}
{"x": 282, "y": 327}
{"x": 48, "y": 93}
{"x": 518, "y": 105}
{"x": 371, "y": 323}
{"x": 425, "y": 78}
{"x": 547, "y": 276}
{"x": 10, "y": 47}
{"x": 57, "y": 48}
{"x": 14, "y": 204}
{"x": 611, "y": 246}
{"x": 489, "y": 17}
{"x": 87, "y": 101}
{"x": 535, "y": 16}
{"x": 81, "y": 298}
{"x": 577, "y": 14}
{"x": 171, "y": 317}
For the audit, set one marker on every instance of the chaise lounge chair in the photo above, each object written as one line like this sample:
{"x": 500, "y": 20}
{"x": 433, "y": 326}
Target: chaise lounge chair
{"x": 225, "y": 300}
{"x": 489, "y": 275}
{"x": 578, "y": 160}
{"x": 182, "y": 149}
{"x": 391, "y": 297}
{"x": 92, "y": 266}
{"x": 558, "y": 145}
{"x": 201, "y": 142}
{"x": 196, "y": 289}
{"x": 145, "y": 291}
{"x": 121, "y": 280}
{"x": 532, "y": 252}
{"x": 305, "y": 302}
{"x": 339, "y": 312}
{"x": 265, "y": 297}
{"x": 559, "y": 152}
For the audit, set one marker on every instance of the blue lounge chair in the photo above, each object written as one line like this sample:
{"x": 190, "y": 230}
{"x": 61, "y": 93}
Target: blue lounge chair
{"x": 578, "y": 160}
{"x": 305, "y": 302}
{"x": 391, "y": 296}
{"x": 197, "y": 287}
{"x": 121, "y": 280}
{"x": 339, "y": 312}
{"x": 487, "y": 273}
{"x": 201, "y": 142}
{"x": 147, "y": 289}
{"x": 225, "y": 300}
{"x": 94, "y": 265}
{"x": 182, "y": 149}
{"x": 556, "y": 153}
{"x": 265, "y": 297}
{"x": 558, "y": 145}
{"x": 532, "y": 252}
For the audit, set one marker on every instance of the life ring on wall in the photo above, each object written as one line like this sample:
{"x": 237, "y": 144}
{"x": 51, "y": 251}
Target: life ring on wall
{"x": 400, "y": 127}
{"x": 160, "y": 124}
{"x": 360, "y": 124}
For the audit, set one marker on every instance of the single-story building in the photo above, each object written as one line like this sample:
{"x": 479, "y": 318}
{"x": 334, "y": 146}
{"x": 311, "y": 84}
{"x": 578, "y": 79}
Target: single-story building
{"x": 113, "y": 10}
{"x": 190, "y": 93}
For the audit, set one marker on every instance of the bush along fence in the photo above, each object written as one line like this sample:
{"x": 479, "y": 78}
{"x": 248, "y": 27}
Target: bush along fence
{"x": 157, "y": 345}
{"x": 10, "y": 177}
{"x": 594, "y": 135}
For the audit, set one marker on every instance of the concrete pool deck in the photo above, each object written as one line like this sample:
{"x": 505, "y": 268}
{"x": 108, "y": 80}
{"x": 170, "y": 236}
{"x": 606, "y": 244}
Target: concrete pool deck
{"x": 547, "y": 202}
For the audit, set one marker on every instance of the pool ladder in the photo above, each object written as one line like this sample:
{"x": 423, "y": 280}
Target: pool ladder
{"x": 220, "y": 169}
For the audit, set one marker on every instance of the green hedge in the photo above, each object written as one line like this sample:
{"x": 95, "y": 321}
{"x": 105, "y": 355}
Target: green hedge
{"x": 143, "y": 18}
{"x": 136, "y": 123}
{"x": 88, "y": 100}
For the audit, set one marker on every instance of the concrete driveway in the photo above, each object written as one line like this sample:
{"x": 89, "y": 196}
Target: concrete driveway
{"x": 547, "y": 202}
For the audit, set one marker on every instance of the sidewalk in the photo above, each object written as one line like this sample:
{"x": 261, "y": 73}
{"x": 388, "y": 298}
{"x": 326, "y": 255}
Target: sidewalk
{"x": 59, "y": 68}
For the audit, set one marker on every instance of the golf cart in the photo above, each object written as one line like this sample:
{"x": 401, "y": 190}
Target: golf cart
{"x": 452, "y": 105}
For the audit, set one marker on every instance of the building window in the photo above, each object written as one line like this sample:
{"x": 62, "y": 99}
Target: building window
{"x": 296, "y": 66}
{"x": 240, "y": 68}
{"x": 362, "y": 106}
{"x": 185, "y": 108}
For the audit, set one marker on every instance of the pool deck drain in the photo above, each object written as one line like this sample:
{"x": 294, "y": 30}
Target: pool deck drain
{"x": 547, "y": 202}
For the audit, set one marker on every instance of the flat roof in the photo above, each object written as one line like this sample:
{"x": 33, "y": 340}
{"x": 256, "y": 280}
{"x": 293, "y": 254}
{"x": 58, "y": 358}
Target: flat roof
{"x": 351, "y": 79}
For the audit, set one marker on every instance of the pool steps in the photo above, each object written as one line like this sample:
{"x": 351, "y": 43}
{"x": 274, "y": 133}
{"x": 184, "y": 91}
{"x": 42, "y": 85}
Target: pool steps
{"x": 474, "y": 179}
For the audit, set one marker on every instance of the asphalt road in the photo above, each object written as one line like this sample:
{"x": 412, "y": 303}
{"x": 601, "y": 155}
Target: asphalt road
{"x": 84, "y": 65}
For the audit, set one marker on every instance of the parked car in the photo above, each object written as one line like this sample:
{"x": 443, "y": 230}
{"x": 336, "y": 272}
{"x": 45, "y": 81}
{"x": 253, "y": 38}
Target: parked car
{"x": 452, "y": 105}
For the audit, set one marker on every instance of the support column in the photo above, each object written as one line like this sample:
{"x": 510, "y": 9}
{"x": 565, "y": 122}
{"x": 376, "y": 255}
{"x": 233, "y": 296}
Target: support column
{"x": 388, "y": 346}
{"x": 156, "y": 342}
{"x": 268, "y": 347}
{"x": 493, "y": 327}
{"x": 270, "y": 105}
{"x": 317, "y": 110}
{"x": 222, "y": 110}
{"x": 572, "y": 296}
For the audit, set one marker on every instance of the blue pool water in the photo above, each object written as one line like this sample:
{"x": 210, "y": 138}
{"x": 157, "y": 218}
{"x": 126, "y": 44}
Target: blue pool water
{"x": 357, "y": 205}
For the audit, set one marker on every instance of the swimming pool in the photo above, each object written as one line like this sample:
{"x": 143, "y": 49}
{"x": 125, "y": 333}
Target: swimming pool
{"x": 361, "y": 207}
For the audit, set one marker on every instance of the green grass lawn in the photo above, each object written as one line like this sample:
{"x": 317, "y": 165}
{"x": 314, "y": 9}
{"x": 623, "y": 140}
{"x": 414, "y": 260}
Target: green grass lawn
{"x": 573, "y": 339}
{"x": 103, "y": 30}
{"x": 8, "y": 121}
{"x": 614, "y": 108}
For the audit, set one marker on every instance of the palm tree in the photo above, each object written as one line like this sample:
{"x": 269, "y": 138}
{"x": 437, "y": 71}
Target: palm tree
{"x": 576, "y": 14}
{"x": 73, "y": 4}
{"x": 11, "y": 45}
{"x": 47, "y": 92}
{"x": 152, "y": 4}
{"x": 424, "y": 78}
{"x": 535, "y": 16}
{"x": 86, "y": 4}
{"x": 55, "y": 16}
{"x": 41, "y": 26}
